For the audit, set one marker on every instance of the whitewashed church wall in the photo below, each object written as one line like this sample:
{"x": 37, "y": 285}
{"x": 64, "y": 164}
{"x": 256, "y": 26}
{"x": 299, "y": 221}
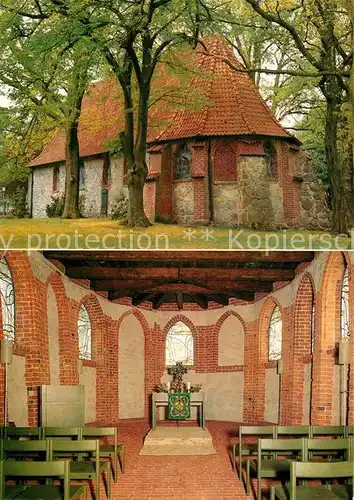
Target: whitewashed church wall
{"x": 90, "y": 193}
{"x": 116, "y": 188}
{"x": 43, "y": 189}
{"x": 18, "y": 409}
{"x": 87, "y": 378}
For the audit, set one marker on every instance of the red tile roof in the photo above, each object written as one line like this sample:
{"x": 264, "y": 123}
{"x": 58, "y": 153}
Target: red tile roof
{"x": 228, "y": 104}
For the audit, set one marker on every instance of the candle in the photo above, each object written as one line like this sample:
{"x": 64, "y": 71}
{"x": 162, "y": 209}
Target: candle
{"x": 188, "y": 386}
{"x": 168, "y": 386}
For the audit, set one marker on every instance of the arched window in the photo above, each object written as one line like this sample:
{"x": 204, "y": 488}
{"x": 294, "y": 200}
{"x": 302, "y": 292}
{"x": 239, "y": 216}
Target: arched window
{"x": 85, "y": 334}
{"x": 275, "y": 335}
{"x": 183, "y": 162}
{"x": 344, "y": 306}
{"x": 7, "y": 300}
{"x": 179, "y": 345}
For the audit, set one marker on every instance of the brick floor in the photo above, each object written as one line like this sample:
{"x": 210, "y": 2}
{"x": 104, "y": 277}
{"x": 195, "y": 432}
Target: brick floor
{"x": 177, "y": 477}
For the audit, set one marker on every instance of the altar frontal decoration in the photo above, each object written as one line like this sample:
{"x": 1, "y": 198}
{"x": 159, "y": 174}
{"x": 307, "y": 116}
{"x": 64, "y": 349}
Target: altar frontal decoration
{"x": 179, "y": 406}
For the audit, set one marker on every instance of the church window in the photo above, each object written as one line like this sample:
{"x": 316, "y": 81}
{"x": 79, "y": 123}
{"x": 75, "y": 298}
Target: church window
{"x": 82, "y": 174}
{"x": 179, "y": 345}
{"x": 85, "y": 334}
{"x": 183, "y": 162}
{"x": 270, "y": 156}
{"x": 56, "y": 171}
{"x": 106, "y": 172}
{"x": 7, "y": 300}
{"x": 275, "y": 335}
{"x": 344, "y": 309}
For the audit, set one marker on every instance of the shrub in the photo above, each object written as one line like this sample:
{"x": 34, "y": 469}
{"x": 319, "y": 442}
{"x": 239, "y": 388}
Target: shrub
{"x": 56, "y": 208}
{"x": 119, "y": 210}
{"x": 18, "y": 203}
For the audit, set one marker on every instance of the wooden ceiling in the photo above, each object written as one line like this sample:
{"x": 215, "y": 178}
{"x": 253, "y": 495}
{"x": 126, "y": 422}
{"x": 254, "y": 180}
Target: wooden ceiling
{"x": 177, "y": 277}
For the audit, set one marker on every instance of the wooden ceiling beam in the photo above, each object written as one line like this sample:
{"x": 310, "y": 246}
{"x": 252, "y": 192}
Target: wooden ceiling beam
{"x": 179, "y": 300}
{"x": 158, "y": 300}
{"x": 199, "y": 299}
{"x": 183, "y": 256}
{"x": 163, "y": 274}
{"x": 142, "y": 297}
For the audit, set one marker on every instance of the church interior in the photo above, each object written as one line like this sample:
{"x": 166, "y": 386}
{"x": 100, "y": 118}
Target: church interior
{"x": 191, "y": 375}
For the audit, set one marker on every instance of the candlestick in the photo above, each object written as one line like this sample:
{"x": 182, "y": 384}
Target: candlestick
{"x": 188, "y": 386}
{"x": 168, "y": 386}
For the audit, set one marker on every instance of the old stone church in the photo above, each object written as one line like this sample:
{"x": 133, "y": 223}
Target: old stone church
{"x": 218, "y": 155}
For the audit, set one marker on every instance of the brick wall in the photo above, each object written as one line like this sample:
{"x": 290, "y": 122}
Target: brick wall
{"x": 319, "y": 281}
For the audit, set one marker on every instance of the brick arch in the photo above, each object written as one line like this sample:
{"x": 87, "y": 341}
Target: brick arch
{"x": 224, "y": 162}
{"x": 139, "y": 315}
{"x": 328, "y": 336}
{"x": 301, "y": 346}
{"x": 67, "y": 340}
{"x": 185, "y": 320}
{"x": 263, "y": 326}
{"x": 94, "y": 309}
{"x": 262, "y": 362}
{"x": 234, "y": 348}
{"x": 224, "y": 317}
{"x": 150, "y": 353}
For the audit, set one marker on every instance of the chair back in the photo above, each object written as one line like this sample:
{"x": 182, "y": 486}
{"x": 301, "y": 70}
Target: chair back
{"x": 22, "y": 432}
{"x": 319, "y": 470}
{"x": 293, "y": 430}
{"x": 61, "y": 432}
{"x": 34, "y": 470}
{"x": 328, "y": 430}
{"x": 330, "y": 445}
{"x": 257, "y": 430}
{"x": 13, "y": 448}
{"x": 281, "y": 445}
{"x": 75, "y": 448}
{"x": 98, "y": 431}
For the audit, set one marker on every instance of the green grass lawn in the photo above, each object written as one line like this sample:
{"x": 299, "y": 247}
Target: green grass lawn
{"x": 108, "y": 234}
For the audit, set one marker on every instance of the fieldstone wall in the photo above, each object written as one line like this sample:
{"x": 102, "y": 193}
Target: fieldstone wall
{"x": 226, "y": 200}
{"x": 43, "y": 189}
{"x": 183, "y": 202}
{"x": 261, "y": 198}
{"x": 314, "y": 211}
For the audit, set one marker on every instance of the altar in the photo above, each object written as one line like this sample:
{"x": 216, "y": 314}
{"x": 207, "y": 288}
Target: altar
{"x": 160, "y": 399}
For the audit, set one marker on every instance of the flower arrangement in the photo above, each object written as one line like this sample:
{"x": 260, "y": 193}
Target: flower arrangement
{"x": 161, "y": 388}
{"x": 196, "y": 388}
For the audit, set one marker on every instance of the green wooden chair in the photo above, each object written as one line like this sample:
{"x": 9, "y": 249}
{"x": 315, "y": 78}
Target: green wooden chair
{"x": 274, "y": 467}
{"x": 328, "y": 430}
{"x": 81, "y": 469}
{"x": 61, "y": 432}
{"x": 328, "y": 449}
{"x": 38, "y": 450}
{"x": 36, "y": 470}
{"x": 247, "y": 449}
{"x": 293, "y": 430}
{"x": 22, "y": 433}
{"x": 316, "y": 470}
{"x": 113, "y": 451}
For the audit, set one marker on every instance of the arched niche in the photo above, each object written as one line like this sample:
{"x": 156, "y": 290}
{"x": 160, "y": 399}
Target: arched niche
{"x": 231, "y": 342}
{"x": 131, "y": 368}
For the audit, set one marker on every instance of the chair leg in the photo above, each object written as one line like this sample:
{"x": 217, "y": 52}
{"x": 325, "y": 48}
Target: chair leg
{"x": 272, "y": 493}
{"x": 109, "y": 477}
{"x": 122, "y": 460}
{"x": 259, "y": 485}
{"x": 248, "y": 479}
{"x": 234, "y": 457}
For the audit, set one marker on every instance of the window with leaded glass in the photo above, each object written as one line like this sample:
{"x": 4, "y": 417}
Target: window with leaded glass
{"x": 275, "y": 335}
{"x": 7, "y": 292}
{"x": 179, "y": 345}
{"x": 183, "y": 162}
{"x": 344, "y": 306}
{"x": 85, "y": 334}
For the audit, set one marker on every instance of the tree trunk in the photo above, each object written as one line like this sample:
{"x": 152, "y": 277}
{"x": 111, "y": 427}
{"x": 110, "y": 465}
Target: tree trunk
{"x": 139, "y": 170}
{"x": 71, "y": 207}
{"x": 336, "y": 170}
{"x": 136, "y": 181}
